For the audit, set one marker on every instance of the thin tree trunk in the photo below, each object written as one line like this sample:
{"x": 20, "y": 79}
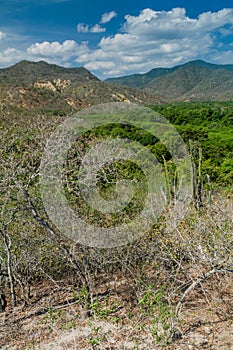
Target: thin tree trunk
{"x": 65, "y": 251}
{"x": 7, "y": 242}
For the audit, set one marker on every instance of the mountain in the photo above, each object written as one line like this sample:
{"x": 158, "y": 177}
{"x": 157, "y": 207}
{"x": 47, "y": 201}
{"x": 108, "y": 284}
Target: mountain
{"x": 48, "y": 87}
{"x": 40, "y": 86}
{"x": 139, "y": 80}
{"x": 195, "y": 80}
{"x": 30, "y": 72}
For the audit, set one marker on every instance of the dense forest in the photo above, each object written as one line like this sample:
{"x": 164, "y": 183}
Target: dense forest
{"x": 208, "y": 126}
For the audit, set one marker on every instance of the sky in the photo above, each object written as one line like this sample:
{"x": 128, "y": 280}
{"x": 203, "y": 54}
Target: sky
{"x": 116, "y": 38}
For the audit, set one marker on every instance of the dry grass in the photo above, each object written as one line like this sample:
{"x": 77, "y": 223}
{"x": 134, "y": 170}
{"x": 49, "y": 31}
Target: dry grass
{"x": 134, "y": 302}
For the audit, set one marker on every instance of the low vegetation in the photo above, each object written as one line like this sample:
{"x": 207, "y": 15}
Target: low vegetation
{"x": 152, "y": 293}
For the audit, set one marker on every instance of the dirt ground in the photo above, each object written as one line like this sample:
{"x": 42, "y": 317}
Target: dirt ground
{"x": 54, "y": 320}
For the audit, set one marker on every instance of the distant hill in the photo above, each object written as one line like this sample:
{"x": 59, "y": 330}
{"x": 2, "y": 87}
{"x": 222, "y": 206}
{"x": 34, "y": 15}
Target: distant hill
{"x": 195, "y": 80}
{"x": 140, "y": 80}
{"x": 44, "y": 86}
{"x": 30, "y": 72}
{"x": 49, "y": 87}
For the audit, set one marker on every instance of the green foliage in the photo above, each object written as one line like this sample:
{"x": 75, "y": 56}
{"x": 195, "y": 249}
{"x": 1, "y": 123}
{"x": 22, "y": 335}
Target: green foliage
{"x": 209, "y": 125}
{"x": 194, "y": 81}
{"x": 153, "y": 304}
{"x": 104, "y": 309}
{"x": 93, "y": 341}
{"x": 83, "y": 296}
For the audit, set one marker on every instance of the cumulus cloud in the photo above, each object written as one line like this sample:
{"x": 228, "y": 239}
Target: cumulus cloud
{"x": 64, "y": 51}
{"x": 151, "y": 39}
{"x": 107, "y": 17}
{"x": 53, "y": 52}
{"x": 158, "y": 38}
{"x": 10, "y": 56}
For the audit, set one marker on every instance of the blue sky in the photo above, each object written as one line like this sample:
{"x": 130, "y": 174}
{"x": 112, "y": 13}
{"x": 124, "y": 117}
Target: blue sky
{"x": 115, "y": 38}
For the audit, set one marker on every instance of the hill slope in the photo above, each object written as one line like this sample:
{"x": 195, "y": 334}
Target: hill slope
{"x": 195, "y": 80}
{"x": 43, "y": 86}
{"x": 140, "y": 80}
{"x": 26, "y": 72}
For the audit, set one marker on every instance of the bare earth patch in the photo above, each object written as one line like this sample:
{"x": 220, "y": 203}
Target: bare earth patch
{"x": 54, "y": 320}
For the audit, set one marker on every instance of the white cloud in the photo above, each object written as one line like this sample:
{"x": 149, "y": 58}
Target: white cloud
{"x": 83, "y": 28}
{"x": 210, "y": 21}
{"x": 107, "y": 17}
{"x": 64, "y": 51}
{"x": 10, "y": 56}
{"x": 151, "y": 39}
{"x": 224, "y": 57}
{"x": 53, "y": 52}
{"x": 2, "y": 35}
{"x": 97, "y": 29}
{"x": 158, "y": 38}
{"x": 86, "y": 28}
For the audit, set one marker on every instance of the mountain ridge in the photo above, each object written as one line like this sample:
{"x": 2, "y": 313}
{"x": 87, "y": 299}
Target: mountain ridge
{"x": 30, "y": 72}
{"x": 181, "y": 82}
{"x": 26, "y": 83}
{"x": 44, "y": 86}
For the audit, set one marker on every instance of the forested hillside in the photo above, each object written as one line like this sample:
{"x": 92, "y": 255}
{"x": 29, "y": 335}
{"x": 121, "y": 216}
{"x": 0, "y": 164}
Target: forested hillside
{"x": 210, "y": 127}
{"x": 193, "y": 81}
